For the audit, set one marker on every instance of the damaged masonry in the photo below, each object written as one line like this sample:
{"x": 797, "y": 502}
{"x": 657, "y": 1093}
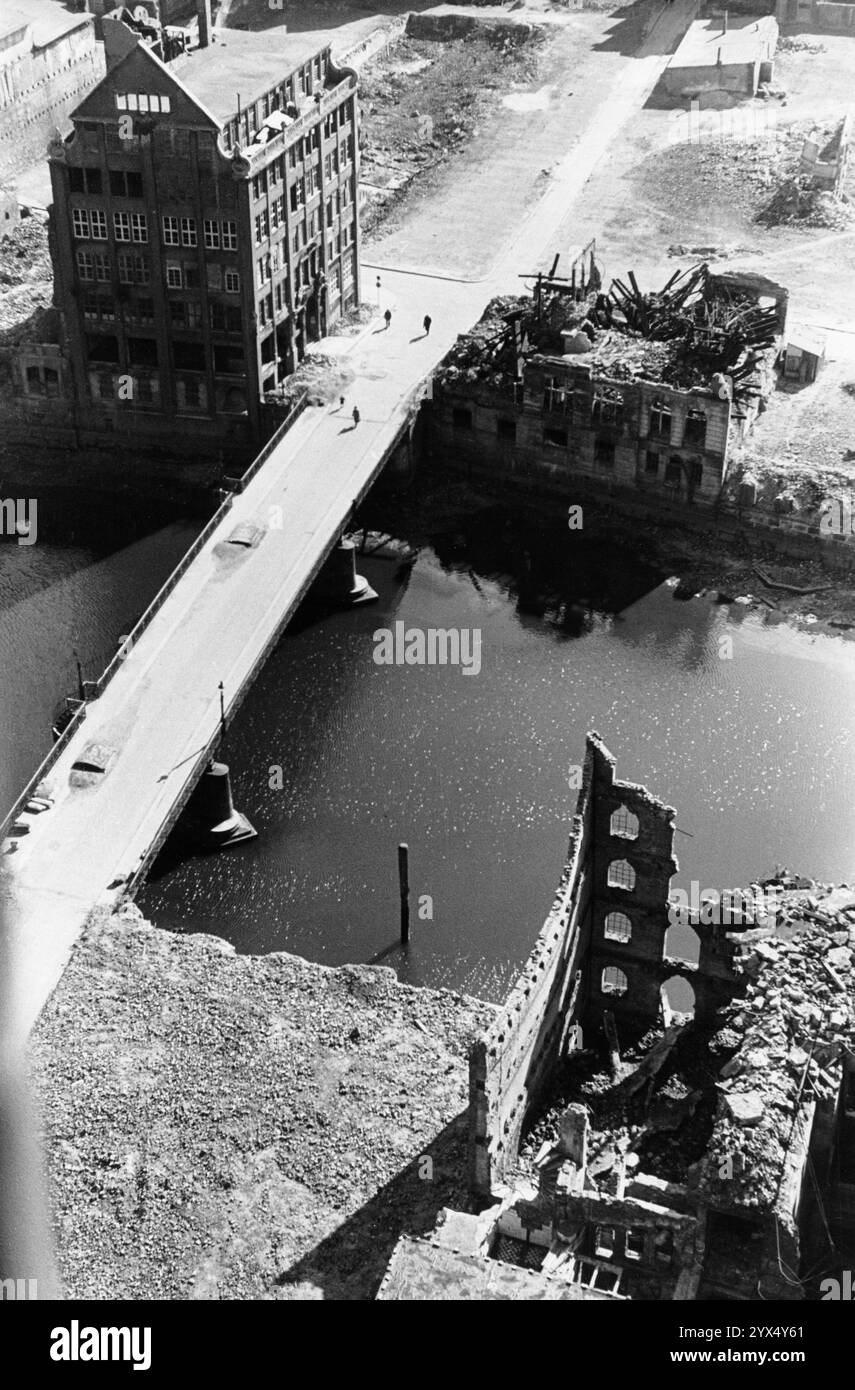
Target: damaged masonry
{"x": 650, "y": 389}
{"x": 621, "y": 1149}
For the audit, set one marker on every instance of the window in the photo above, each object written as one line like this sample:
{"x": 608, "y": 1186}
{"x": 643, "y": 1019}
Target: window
{"x": 506, "y": 429}
{"x": 624, "y": 824}
{"x": 556, "y": 438}
{"x": 77, "y": 180}
{"x": 99, "y": 224}
{"x": 607, "y": 406}
{"x": 85, "y": 265}
{"x": 232, "y": 282}
{"x": 461, "y": 419}
{"x": 621, "y": 874}
{"x": 604, "y": 452}
{"x": 139, "y": 227}
{"x": 660, "y": 418}
{"x": 651, "y": 462}
{"x": 634, "y": 1247}
{"x": 125, "y": 184}
{"x": 191, "y": 275}
{"x": 674, "y": 471}
{"x": 263, "y": 269}
{"x": 122, "y": 226}
{"x": 105, "y": 387}
{"x": 126, "y": 269}
{"x": 696, "y": 429}
{"x": 174, "y": 277}
{"x": 188, "y": 231}
{"x": 229, "y": 231}
{"x": 212, "y": 235}
{"x": 617, "y": 927}
{"x": 102, "y": 267}
{"x": 80, "y": 223}
{"x": 170, "y": 231}
{"x": 604, "y": 1242}
{"x": 614, "y": 982}
{"x": 143, "y": 311}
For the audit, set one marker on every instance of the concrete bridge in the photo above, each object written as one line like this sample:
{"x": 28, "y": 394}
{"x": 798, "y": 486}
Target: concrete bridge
{"x": 157, "y": 720}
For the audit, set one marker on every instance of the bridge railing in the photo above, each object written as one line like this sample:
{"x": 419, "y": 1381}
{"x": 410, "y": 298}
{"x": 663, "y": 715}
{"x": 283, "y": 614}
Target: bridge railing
{"x": 43, "y": 769}
{"x": 92, "y": 689}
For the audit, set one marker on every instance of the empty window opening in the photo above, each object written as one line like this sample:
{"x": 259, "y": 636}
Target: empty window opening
{"x": 674, "y": 471}
{"x": 614, "y": 982}
{"x": 696, "y": 428}
{"x": 660, "y": 418}
{"x": 461, "y": 419}
{"x": 651, "y": 462}
{"x": 604, "y": 1242}
{"x": 506, "y": 429}
{"x": 624, "y": 824}
{"x": 604, "y": 452}
{"x": 635, "y": 1245}
{"x": 618, "y": 927}
{"x": 621, "y": 875}
{"x": 607, "y": 406}
{"x": 664, "y": 1247}
{"x": 557, "y": 438}
{"x": 682, "y": 943}
{"x": 678, "y": 997}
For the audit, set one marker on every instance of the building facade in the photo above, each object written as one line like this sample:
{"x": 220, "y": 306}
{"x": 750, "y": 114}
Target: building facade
{"x": 204, "y": 231}
{"x": 49, "y": 59}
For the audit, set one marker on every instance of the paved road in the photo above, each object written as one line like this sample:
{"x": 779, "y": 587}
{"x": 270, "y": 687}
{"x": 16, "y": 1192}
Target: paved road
{"x": 163, "y": 705}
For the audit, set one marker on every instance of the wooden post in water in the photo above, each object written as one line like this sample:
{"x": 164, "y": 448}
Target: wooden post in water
{"x": 404, "y": 884}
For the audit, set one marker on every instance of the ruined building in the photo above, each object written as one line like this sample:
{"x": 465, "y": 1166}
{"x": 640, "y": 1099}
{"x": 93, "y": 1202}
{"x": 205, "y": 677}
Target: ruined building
{"x": 650, "y": 392}
{"x": 622, "y": 1149}
{"x": 204, "y": 232}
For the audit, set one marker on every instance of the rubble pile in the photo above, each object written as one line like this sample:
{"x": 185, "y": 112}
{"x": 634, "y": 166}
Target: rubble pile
{"x": 789, "y": 1029}
{"x": 26, "y": 278}
{"x": 796, "y": 202}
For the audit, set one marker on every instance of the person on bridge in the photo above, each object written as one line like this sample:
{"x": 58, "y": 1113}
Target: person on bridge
{"x": 388, "y": 317}
{"x": 427, "y": 323}
{"x": 356, "y": 416}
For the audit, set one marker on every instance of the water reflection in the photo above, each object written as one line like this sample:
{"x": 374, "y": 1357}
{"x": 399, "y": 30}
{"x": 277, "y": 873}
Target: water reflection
{"x": 755, "y": 750}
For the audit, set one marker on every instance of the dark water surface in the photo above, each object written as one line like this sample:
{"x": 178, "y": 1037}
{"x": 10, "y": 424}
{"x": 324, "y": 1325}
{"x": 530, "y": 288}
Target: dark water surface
{"x": 95, "y": 566}
{"x": 756, "y": 751}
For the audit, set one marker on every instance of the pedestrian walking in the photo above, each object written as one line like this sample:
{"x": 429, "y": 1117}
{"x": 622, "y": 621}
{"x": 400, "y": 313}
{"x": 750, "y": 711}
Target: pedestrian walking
{"x": 388, "y": 317}
{"x": 355, "y": 416}
{"x": 427, "y": 323}
{"x": 341, "y": 402}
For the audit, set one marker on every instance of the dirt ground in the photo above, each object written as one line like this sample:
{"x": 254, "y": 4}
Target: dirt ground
{"x": 422, "y": 102}
{"x": 252, "y": 1127}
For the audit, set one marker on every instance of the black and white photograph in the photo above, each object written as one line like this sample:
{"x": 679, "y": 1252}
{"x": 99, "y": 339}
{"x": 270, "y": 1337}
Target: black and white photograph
{"x": 427, "y": 671}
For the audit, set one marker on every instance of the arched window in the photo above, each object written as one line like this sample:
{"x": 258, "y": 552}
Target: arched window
{"x": 621, "y": 875}
{"x": 679, "y": 997}
{"x": 614, "y": 981}
{"x": 618, "y": 927}
{"x": 624, "y": 824}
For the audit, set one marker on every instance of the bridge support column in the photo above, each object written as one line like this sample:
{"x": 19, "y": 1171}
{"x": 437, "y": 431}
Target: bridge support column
{"x": 338, "y": 581}
{"x": 211, "y": 817}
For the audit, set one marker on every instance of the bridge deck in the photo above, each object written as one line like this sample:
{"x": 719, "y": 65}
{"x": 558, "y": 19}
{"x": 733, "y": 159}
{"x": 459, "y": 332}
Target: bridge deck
{"x": 161, "y": 711}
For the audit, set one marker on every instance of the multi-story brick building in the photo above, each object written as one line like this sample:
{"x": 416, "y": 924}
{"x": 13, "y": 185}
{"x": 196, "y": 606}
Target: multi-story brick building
{"x": 204, "y": 230}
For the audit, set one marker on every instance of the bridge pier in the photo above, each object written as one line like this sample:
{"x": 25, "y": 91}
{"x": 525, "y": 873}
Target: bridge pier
{"x": 211, "y": 817}
{"x": 338, "y": 581}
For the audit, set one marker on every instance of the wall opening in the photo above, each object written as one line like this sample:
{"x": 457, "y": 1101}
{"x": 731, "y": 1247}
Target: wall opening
{"x": 618, "y": 927}
{"x": 677, "y": 996}
{"x": 624, "y": 824}
{"x": 614, "y": 982}
{"x": 682, "y": 943}
{"x": 621, "y": 875}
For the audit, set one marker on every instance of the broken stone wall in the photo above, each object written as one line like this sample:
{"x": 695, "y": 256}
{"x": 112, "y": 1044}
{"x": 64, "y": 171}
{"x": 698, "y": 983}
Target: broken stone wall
{"x": 633, "y": 861}
{"x": 510, "y": 1065}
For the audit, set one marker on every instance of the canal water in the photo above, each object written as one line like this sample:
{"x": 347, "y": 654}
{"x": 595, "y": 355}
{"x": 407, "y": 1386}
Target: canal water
{"x": 337, "y": 758}
{"x": 741, "y": 722}
{"x": 95, "y": 566}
